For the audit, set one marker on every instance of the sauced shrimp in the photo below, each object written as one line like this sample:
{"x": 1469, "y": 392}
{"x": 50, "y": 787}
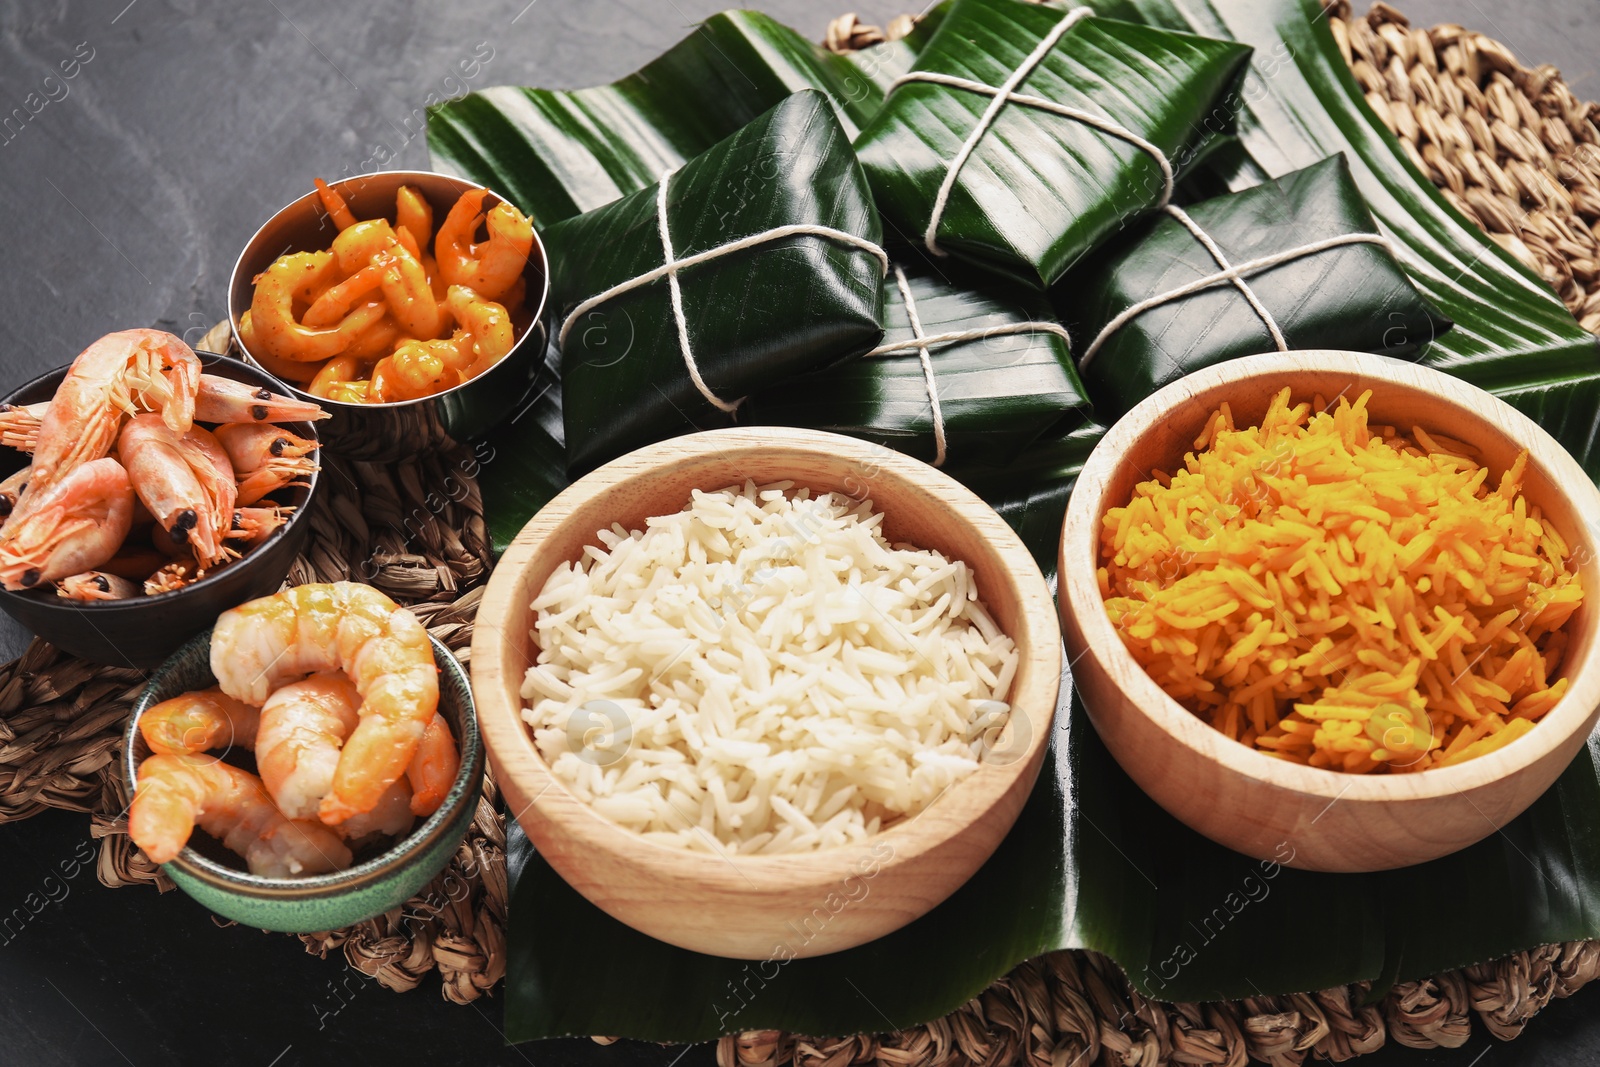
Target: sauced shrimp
{"x": 263, "y": 645}
{"x": 96, "y": 585}
{"x": 488, "y": 323}
{"x": 19, "y": 425}
{"x": 290, "y": 370}
{"x": 176, "y": 793}
{"x": 225, "y": 400}
{"x": 202, "y": 721}
{"x": 493, "y": 266}
{"x": 417, "y": 369}
{"x": 412, "y": 211}
{"x": 303, "y": 727}
{"x": 337, "y": 209}
{"x": 74, "y": 525}
{"x": 272, "y": 320}
{"x": 434, "y": 768}
{"x": 119, "y": 375}
{"x": 335, "y": 374}
{"x": 374, "y": 257}
{"x": 265, "y": 458}
{"x": 182, "y": 490}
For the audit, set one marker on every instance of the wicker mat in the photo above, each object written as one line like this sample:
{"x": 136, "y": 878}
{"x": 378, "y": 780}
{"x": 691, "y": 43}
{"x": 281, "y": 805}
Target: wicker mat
{"x": 1512, "y": 148}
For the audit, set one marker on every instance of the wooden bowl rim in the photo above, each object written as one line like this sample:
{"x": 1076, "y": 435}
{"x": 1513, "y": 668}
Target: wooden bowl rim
{"x": 509, "y": 742}
{"x": 1080, "y": 594}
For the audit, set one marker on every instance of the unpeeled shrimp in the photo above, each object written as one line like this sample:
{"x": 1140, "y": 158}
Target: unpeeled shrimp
{"x": 10, "y": 490}
{"x": 434, "y": 768}
{"x": 96, "y": 585}
{"x": 265, "y": 644}
{"x": 176, "y": 793}
{"x": 252, "y": 526}
{"x": 492, "y": 267}
{"x": 74, "y": 525}
{"x": 303, "y": 727}
{"x": 202, "y": 721}
{"x": 186, "y": 494}
{"x": 265, "y": 457}
{"x": 119, "y": 375}
{"x": 225, "y": 400}
{"x": 19, "y": 425}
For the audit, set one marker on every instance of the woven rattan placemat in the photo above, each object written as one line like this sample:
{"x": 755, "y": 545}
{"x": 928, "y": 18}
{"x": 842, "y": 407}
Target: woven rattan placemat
{"x": 1511, "y": 147}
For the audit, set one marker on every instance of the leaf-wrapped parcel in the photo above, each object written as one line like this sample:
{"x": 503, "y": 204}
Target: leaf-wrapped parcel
{"x": 802, "y": 292}
{"x": 970, "y": 370}
{"x": 1024, "y": 136}
{"x": 1314, "y": 273}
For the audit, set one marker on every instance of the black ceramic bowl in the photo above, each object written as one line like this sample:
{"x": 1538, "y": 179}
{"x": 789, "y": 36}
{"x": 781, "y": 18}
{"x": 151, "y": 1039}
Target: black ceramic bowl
{"x": 383, "y": 433}
{"x": 143, "y": 631}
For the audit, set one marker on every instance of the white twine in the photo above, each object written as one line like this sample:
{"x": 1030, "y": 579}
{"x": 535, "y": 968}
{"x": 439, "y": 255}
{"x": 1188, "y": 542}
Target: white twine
{"x": 1243, "y": 286}
{"x": 1007, "y": 94}
{"x": 671, "y": 265}
{"x": 1228, "y": 275}
{"x": 922, "y": 342}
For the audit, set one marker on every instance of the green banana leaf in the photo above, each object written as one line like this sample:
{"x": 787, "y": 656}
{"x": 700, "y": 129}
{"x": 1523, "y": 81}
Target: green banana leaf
{"x": 997, "y": 391}
{"x": 1348, "y": 297}
{"x": 1093, "y": 863}
{"x": 755, "y": 318}
{"x": 1040, "y": 190}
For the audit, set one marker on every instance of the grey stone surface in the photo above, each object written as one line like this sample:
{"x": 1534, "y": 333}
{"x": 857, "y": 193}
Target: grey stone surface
{"x": 123, "y": 201}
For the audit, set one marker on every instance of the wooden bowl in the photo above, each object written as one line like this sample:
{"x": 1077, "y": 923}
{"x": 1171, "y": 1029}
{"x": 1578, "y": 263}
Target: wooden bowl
{"x": 763, "y": 907}
{"x": 1321, "y": 820}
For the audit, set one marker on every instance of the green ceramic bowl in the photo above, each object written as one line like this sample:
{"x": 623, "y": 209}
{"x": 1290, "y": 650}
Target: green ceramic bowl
{"x": 328, "y": 901}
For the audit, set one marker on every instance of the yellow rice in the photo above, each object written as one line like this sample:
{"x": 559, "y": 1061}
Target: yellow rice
{"x": 1343, "y": 595}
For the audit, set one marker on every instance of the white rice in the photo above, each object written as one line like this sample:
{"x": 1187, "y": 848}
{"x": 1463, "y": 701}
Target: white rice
{"x": 763, "y": 672}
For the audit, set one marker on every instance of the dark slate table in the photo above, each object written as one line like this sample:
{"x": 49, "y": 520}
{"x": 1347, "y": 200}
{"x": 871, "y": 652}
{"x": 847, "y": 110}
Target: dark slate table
{"x": 125, "y": 199}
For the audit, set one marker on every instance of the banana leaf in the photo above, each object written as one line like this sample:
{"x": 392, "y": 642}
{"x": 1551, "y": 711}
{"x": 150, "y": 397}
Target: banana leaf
{"x": 1350, "y": 297}
{"x": 997, "y": 392}
{"x": 755, "y": 317}
{"x": 1093, "y": 863}
{"x": 1039, "y": 190}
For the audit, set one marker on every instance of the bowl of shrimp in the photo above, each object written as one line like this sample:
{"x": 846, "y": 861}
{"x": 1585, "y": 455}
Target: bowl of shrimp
{"x": 408, "y": 304}
{"x": 311, "y": 762}
{"x": 144, "y": 488}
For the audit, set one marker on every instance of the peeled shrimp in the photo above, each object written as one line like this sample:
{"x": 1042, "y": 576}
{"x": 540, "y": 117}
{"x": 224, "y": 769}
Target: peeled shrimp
{"x": 272, "y": 320}
{"x": 179, "y": 792}
{"x": 373, "y": 257}
{"x": 74, "y": 525}
{"x": 96, "y": 585}
{"x": 488, "y": 323}
{"x": 265, "y": 644}
{"x": 337, "y": 209}
{"x": 492, "y": 267}
{"x": 303, "y": 727}
{"x": 202, "y": 721}
{"x": 434, "y": 768}
{"x": 265, "y": 457}
{"x": 119, "y": 375}
{"x": 19, "y": 425}
{"x": 417, "y": 369}
{"x": 190, "y": 499}
{"x": 389, "y": 818}
{"x": 225, "y": 400}
{"x": 412, "y": 211}
{"x": 289, "y": 370}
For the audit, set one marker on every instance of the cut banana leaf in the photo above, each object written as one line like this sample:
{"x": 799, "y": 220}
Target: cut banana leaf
{"x": 1298, "y": 105}
{"x": 648, "y": 363}
{"x": 1002, "y": 379}
{"x": 524, "y": 464}
{"x": 1350, "y": 296}
{"x": 1037, "y": 190}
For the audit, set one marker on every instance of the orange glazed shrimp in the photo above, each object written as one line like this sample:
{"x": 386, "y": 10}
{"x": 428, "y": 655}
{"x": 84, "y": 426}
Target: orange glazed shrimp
{"x": 265, "y": 458}
{"x": 176, "y": 793}
{"x": 272, "y": 320}
{"x": 188, "y": 503}
{"x": 412, "y": 210}
{"x": 118, "y": 375}
{"x": 19, "y": 425}
{"x": 303, "y": 727}
{"x": 96, "y": 585}
{"x": 263, "y": 645}
{"x": 225, "y": 400}
{"x": 434, "y": 768}
{"x": 370, "y": 251}
{"x": 74, "y": 525}
{"x": 494, "y": 266}
{"x": 199, "y": 722}
{"x": 337, "y": 209}
{"x": 487, "y": 323}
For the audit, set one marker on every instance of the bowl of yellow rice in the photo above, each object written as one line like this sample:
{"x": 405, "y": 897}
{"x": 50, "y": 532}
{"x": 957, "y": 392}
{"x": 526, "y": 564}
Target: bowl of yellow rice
{"x": 1334, "y": 607}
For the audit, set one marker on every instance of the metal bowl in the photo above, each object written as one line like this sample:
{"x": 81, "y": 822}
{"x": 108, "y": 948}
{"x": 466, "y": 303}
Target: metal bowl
{"x": 143, "y": 631}
{"x": 387, "y": 432}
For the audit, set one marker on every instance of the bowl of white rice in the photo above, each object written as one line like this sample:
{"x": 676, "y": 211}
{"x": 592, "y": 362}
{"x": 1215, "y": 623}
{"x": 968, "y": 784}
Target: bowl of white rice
{"x": 766, "y": 693}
